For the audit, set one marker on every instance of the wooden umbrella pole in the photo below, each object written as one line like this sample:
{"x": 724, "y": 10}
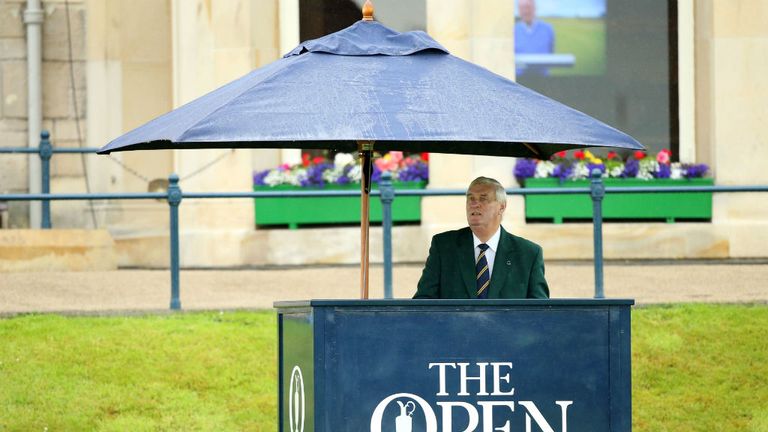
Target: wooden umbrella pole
{"x": 366, "y": 150}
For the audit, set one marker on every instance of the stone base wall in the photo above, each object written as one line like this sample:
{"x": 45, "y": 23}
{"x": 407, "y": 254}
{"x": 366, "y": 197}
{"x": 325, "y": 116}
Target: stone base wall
{"x": 410, "y": 244}
{"x": 56, "y": 250}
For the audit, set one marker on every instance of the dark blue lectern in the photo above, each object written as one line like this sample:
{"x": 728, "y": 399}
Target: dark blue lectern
{"x": 454, "y": 365}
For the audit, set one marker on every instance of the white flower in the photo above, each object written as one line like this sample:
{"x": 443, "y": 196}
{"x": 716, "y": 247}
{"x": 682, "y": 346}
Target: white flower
{"x": 331, "y": 175}
{"x": 544, "y": 169}
{"x": 279, "y": 177}
{"x": 355, "y": 174}
{"x": 616, "y": 171}
{"x": 647, "y": 166}
{"x": 676, "y": 171}
{"x": 644, "y": 175}
{"x": 295, "y": 178}
{"x": 580, "y": 171}
{"x": 274, "y": 178}
{"x": 343, "y": 159}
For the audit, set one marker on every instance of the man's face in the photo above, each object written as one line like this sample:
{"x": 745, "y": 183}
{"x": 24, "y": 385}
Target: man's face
{"x": 527, "y": 9}
{"x": 483, "y": 211}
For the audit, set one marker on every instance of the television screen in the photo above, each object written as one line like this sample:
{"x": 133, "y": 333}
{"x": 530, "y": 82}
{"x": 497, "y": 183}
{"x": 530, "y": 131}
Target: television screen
{"x": 560, "y": 37}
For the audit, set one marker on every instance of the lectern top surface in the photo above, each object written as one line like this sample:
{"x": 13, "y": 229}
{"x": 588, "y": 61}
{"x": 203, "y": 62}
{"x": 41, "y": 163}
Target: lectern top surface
{"x": 457, "y": 302}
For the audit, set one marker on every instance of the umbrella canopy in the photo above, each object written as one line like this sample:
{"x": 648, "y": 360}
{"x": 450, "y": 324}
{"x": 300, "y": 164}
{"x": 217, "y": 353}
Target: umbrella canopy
{"x": 370, "y": 83}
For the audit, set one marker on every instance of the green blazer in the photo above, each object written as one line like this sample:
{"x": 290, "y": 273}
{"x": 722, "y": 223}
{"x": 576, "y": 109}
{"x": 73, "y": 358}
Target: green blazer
{"x": 518, "y": 270}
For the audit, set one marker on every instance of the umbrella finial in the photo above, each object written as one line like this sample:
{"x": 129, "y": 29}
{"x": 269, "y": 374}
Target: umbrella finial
{"x": 368, "y": 11}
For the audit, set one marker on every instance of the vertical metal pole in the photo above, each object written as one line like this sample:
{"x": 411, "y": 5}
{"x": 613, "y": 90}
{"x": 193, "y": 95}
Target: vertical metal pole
{"x": 174, "y": 199}
{"x": 597, "y": 191}
{"x": 34, "y": 17}
{"x": 387, "y": 196}
{"x": 46, "y": 151}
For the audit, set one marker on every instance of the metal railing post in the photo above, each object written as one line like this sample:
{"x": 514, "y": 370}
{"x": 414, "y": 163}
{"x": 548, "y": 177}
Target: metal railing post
{"x": 174, "y": 199}
{"x": 387, "y": 196}
{"x": 597, "y": 191}
{"x": 46, "y": 151}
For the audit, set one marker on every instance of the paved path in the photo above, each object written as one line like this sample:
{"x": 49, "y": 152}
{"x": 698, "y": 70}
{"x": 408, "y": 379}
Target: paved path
{"x": 149, "y": 290}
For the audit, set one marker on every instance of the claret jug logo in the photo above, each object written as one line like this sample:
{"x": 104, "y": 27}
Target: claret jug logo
{"x": 296, "y": 403}
{"x": 404, "y": 421}
{"x": 478, "y": 410}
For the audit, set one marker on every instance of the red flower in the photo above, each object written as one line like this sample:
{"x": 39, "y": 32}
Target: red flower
{"x": 561, "y": 154}
{"x": 305, "y": 159}
{"x": 424, "y": 156}
{"x": 579, "y": 154}
{"x": 639, "y": 154}
{"x": 663, "y": 157}
{"x": 318, "y": 160}
{"x": 611, "y": 155}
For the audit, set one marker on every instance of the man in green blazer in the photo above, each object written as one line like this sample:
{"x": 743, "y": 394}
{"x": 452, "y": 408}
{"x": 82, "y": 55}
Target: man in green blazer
{"x": 483, "y": 260}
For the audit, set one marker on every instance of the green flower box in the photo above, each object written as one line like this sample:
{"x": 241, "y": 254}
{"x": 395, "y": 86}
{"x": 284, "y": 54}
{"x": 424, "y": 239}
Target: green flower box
{"x": 622, "y": 206}
{"x": 295, "y": 212}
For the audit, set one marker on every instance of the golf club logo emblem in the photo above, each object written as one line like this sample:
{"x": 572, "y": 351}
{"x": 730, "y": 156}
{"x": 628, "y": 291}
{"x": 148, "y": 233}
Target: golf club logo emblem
{"x": 296, "y": 406}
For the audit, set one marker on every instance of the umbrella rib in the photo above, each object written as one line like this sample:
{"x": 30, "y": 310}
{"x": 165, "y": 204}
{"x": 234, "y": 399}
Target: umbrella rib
{"x": 533, "y": 150}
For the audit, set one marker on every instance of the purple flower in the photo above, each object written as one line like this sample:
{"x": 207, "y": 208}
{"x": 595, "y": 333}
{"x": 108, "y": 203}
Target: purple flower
{"x": 631, "y": 168}
{"x": 258, "y": 177}
{"x": 525, "y": 168}
{"x": 344, "y": 177}
{"x": 376, "y": 174}
{"x": 562, "y": 171}
{"x": 418, "y": 171}
{"x": 695, "y": 170}
{"x": 592, "y": 166}
{"x": 315, "y": 175}
{"x": 663, "y": 172}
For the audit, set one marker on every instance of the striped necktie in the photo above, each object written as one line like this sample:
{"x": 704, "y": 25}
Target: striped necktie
{"x": 483, "y": 272}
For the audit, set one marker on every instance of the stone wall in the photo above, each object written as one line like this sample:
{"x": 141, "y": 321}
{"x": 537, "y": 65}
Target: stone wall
{"x": 136, "y": 59}
{"x": 63, "y": 87}
{"x": 13, "y": 106}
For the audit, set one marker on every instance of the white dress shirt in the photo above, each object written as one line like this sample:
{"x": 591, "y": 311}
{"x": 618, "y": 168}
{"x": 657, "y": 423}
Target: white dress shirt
{"x": 490, "y": 254}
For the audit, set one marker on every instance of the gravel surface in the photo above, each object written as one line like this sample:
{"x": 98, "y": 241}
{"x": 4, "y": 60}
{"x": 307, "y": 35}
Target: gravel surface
{"x": 130, "y": 291}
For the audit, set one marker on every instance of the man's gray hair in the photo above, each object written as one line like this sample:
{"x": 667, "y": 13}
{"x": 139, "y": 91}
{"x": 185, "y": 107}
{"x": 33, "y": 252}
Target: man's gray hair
{"x": 501, "y": 193}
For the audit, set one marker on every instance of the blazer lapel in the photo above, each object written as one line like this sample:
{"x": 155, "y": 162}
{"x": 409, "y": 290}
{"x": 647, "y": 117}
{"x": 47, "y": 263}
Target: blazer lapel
{"x": 501, "y": 269}
{"x": 466, "y": 255}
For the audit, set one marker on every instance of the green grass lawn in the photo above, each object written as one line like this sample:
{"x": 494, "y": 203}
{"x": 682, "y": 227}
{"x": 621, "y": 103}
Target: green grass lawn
{"x": 695, "y": 368}
{"x": 177, "y": 372}
{"x": 700, "y": 368}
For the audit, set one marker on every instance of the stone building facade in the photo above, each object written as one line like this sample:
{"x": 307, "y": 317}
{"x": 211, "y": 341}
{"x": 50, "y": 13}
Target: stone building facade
{"x": 134, "y": 60}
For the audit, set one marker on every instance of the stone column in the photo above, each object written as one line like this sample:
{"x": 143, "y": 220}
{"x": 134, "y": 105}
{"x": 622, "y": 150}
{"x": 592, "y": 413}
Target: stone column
{"x": 129, "y": 65}
{"x": 731, "y": 90}
{"x": 482, "y": 33}
{"x": 129, "y": 71}
{"x": 215, "y": 43}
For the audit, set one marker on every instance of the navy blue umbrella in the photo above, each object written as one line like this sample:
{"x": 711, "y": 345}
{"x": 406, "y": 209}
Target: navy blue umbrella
{"x": 370, "y": 83}
{"x": 369, "y": 86}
